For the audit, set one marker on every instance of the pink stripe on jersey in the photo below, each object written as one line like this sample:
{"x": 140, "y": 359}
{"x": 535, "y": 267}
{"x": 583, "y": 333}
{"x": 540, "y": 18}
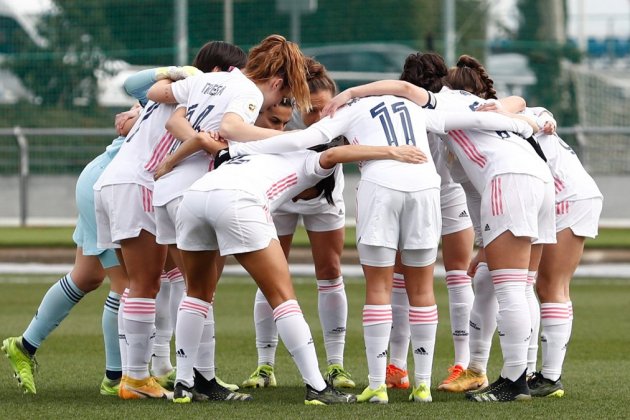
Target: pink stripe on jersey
{"x": 174, "y": 274}
{"x": 147, "y": 199}
{"x": 161, "y": 149}
{"x": 425, "y": 315}
{"x": 372, "y": 316}
{"x": 468, "y": 147}
{"x": 554, "y": 311}
{"x": 459, "y": 278}
{"x": 496, "y": 200}
{"x": 195, "y": 307}
{"x": 558, "y": 184}
{"x": 398, "y": 283}
{"x": 288, "y": 308}
{"x": 280, "y": 186}
{"x": 562, "y": 207}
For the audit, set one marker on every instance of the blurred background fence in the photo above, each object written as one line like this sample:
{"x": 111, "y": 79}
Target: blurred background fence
{"x": 63, "y": 62}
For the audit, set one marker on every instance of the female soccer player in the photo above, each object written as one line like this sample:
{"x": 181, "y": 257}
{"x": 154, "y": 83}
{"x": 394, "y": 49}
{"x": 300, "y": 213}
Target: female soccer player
{"x": 324, "y": 225}
{"x": 91, "y": 265}
{"x": 126, "y": 220}
{"x": 516, "y": 210}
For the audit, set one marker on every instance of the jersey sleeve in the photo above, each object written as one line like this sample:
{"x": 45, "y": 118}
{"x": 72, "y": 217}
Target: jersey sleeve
{"x": 485, "y": 121}
{"x": 288, "y": 142}
{"x": 435, "y": 121}
{"x": 182, "y": 88}
{"x": 246, "y": 105}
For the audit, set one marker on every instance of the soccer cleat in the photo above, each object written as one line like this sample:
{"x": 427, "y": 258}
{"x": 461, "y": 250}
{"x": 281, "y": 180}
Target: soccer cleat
{"x": 396, "y": 377}
{"x": 327, "y": 396}
{"x": 215, "y": 392}
{"x": 22, "y": 363}
{"x": 468, "y": 380}
{"x": 231, "y": 387}
{"x": 338, "y": 377}
{"x": 110, "y": 386}
{"x": 183, "y": 394}
{"x": 167, "y": 381}
{"x": 539, "y": 386}
{"x": 262, "y": 377}
{"x": 376, "y": 396}
{"x": 421, "y": 393}
{"x": 502, "y": 390}
{"x": 455, "y": 372}
{"x": 135, "y": 389}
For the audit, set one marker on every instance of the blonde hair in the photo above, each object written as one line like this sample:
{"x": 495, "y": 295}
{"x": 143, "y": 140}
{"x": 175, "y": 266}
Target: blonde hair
{"x": 277, "y": 57}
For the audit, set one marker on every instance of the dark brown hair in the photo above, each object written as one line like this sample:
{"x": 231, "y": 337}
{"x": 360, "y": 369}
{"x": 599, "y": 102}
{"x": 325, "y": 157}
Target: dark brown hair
{"x": 317, "y": 77}
{"x": 219, "y": 54}
{"x": 471, "y": 76}
{"x": 425, "y": 70}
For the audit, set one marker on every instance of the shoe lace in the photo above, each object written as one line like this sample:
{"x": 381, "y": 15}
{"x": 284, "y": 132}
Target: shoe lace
{"x": 337, "y": 371}
{"x": 392, "y": 370}
{"x": 264, "y": 371}
{"x": 454, "y": 373}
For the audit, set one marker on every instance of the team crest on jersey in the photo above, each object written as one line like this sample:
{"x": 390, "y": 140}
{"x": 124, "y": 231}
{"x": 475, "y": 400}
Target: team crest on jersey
{"x": 251, "y": 107}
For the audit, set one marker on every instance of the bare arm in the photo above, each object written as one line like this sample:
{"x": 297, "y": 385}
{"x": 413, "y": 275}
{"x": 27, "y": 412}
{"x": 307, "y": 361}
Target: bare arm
{"x": 161, "y": 92}
{"x": 382, "y": 87}
{"x": 355, "y": 153}
{"x": 234, "y": 128}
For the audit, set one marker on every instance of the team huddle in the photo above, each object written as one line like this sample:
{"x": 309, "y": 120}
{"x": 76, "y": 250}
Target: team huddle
{"x": 203, "y": 169}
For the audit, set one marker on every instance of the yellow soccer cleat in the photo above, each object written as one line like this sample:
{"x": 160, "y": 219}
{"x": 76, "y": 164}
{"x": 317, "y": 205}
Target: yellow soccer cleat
{"x": 23, "y": 364}
{"x": 375, "y": 396}
{"x": 338, "y": 377}
{"x": 421, "y": 393}
{"x": 262, "y": 377}
{"x": 110, "y": 386}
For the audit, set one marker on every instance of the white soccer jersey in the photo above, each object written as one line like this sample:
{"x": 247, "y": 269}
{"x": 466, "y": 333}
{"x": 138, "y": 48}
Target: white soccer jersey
{"x": 571, "y": 180}
{"x": 143, "y": 149}
{"x": 370, "y": 121}
{"x": 273, "y": 178}
{"x": 207, "y": 98}
{"x": 484, "y": 154}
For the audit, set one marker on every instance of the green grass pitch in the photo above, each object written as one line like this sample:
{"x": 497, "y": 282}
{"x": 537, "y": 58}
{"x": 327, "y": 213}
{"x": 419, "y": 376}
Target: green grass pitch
{"x": 71, "y": 361}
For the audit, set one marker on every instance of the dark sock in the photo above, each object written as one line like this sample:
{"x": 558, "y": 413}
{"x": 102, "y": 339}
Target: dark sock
{"x": 31, "y": 349}
{"x": 113, "y": 375}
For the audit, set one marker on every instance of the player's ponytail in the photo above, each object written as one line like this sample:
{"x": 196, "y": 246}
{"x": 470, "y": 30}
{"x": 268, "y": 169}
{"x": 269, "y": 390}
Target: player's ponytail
{"x": 317, "y": 77}
{"x": 471, "y": 76}
{"x": 425, "y": 70}
{"x": 277, "y": 57}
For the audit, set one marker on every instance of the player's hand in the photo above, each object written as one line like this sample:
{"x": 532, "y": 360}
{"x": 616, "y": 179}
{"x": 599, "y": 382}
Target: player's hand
{"x": 336, "y": 103}
{"x": 211, "y": 141}
{"x": 122, "y": 118}
{"x": 549, "y": 127}
{"x": 163, "y": 168}
{"x": 408, "y": 154}
{"x": 491, "y": 105}
{"x": 478, "y": 258}
{"x": 176, "y": 72}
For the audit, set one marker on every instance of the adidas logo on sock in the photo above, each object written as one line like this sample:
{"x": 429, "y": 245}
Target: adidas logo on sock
{"x": 464, "y": 213}
{"x": 180, "y": 353}
{"x": 487, "y": 228}
{"x": 381, "y": 355}
{"x": 421, "y": 351}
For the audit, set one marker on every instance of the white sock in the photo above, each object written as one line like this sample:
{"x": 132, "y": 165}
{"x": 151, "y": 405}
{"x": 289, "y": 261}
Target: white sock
{"x": 122, "y": 339}
{"x": 513, "y": 320}
{"x": 190, "y": 325}
{"x": 178, "y": 289}
{"x": 483, "y": 319}
{"x": 139, "y": 320}
{"x": 266, "y": 331}
{"x": 460, "y": 301}
{"x": 400, "y": 334}
{"x": 332, "y": 306}
{"x": 297, "y": 338}
{"x": 556, "y": 332}
{"x": 205, "y": 354}
{"x": 377, "y": 324}
{"x": 534, "y": 313}
{"x": 423, "y": 322}
{"x": 161, "y": 360}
